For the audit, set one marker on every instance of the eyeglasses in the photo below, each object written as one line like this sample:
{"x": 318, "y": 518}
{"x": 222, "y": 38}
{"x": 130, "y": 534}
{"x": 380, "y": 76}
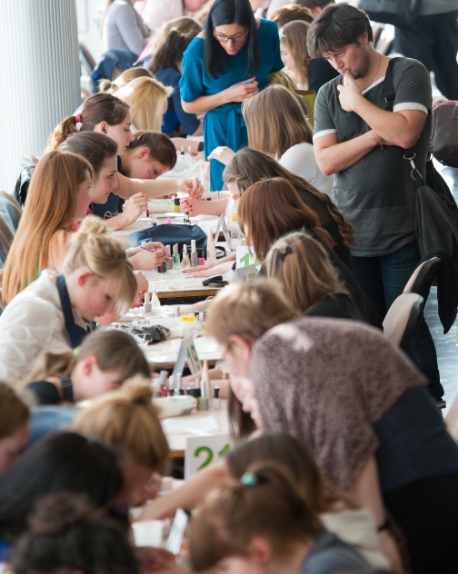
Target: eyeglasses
{"x": 237, "y": 38}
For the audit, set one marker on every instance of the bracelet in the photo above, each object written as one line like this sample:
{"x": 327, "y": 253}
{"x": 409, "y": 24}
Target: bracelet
{"x": 384, "y": 526}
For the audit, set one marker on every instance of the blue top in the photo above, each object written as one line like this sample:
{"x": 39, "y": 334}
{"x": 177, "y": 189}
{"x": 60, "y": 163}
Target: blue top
{"x": 414, "y": 442}
{"x": 224, "y": 126}
{"x": 175, "y": 116}
{"x": 330, "y": 554}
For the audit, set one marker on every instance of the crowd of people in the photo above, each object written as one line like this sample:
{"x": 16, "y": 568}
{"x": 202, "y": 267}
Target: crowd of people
{"x": 340, "y": 458}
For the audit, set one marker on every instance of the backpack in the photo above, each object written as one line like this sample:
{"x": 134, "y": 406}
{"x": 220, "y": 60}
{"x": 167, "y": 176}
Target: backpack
{"x": 444, "y": 133}
{"x": 22, "y": 184}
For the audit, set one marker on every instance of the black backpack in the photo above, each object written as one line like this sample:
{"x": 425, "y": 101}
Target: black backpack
{"x": 22, "y": 184}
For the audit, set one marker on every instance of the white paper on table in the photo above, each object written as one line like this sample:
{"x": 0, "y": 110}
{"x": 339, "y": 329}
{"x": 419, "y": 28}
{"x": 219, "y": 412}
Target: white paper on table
{"x": 194, "y": 424}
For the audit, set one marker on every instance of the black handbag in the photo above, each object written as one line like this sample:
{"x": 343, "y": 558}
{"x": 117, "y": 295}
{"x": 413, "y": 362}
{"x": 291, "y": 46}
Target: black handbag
{"x": 400, "y": 13}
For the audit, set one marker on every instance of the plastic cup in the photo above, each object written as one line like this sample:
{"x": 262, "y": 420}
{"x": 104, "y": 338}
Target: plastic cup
{"x": 148, "y": 533}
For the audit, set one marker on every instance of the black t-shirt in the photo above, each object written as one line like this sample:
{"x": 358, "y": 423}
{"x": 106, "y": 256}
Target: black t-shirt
{"x": 47, "y": 393}
{"x": 320, "y": 72}
{"x": 114, "y": 203}
{"x": 337, "y": 306}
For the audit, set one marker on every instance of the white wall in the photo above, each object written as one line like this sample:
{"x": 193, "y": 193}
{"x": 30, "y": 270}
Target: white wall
{"x": 40, "y": 77}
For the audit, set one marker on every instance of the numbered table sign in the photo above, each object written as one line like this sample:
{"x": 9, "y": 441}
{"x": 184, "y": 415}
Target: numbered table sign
{"x": 202, "y": 451}
{"x": 243, "y": 274}
{"x": 244, "y": 258}
{"x": 187, "y": 353}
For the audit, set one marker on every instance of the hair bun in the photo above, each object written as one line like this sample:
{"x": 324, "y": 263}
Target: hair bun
{"x": 139, "y": 391}
{"x": 57, "y": 512}
{"x": 92, "y": 225}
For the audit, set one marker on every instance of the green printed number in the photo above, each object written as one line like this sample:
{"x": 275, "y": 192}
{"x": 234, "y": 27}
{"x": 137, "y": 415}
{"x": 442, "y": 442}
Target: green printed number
{"x": 193, "y": 359}
{"x": 208, "y": 451}
{"x": 246, "y": 260}
{"x": 209, "y": 454}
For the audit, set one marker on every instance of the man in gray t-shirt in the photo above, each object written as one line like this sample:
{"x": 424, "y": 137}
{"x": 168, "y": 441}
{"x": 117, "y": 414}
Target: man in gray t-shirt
{"x": 363, "y": 145}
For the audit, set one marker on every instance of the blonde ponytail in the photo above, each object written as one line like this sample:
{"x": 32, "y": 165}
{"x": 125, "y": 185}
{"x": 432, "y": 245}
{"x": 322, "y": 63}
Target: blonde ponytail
{"x": 60, "y": 134}
{"x": 105, "y": 257}
{"x": 128, "y": 420}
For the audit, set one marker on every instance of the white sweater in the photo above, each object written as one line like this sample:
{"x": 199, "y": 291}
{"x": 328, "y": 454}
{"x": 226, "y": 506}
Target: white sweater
{"x": 300, "y": 160}
{"x": 357, "y": 527}
{"x": 32, "y": 323}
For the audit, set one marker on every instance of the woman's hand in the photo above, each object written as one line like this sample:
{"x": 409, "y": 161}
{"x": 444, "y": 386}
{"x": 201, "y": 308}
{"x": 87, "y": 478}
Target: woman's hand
{"x": 228, "y": 259}
{"x": 150, "y": 245}
{"x": 148, "y": 260}
{"x": 223, "y": 154}
{"x": 207, "y": 271}
{"x": 136, "y": 205}
{"x": 242, "y": 91}
{"x": 390, "y": 551}
{"x": 154, "y": 559}
{"x": 142, "y": 283}
{"x": 192, "y": 206}
{"x": 192, "y": 187}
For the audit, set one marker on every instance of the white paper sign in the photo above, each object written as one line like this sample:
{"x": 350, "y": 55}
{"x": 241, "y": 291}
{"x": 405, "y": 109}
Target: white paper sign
{"x": 244, "y": 258}
{"x": 187, "y": 353}
{"x": 177, "y": 531}
{"x": 202, "y": 451}
{"x": 244, "y": 274}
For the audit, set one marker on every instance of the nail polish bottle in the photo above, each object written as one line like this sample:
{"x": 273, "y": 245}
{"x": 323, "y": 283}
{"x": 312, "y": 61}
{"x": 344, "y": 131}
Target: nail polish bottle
{"x": 201, "y": 256}
{"x": 193, "y": 253}
{"x": 168, "y": 264}
{"x": 185, "y": 263}
{"x": 176, "y": 256}
{"x": 176, "y": 205}
{"x": 147, "y": 303}
{"x": 155, "y": 303}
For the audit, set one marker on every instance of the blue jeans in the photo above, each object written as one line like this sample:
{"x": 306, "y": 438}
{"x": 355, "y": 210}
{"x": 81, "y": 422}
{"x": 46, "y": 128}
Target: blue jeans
{"x": 382, "y": 279}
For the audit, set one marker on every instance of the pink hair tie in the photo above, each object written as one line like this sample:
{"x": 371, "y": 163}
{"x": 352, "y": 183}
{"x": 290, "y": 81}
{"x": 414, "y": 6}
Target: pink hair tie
{"x": 78, "y": 119}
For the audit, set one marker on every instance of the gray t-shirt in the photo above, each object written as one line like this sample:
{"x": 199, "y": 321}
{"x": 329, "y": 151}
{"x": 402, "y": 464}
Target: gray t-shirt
{"x": 330, "y": 555}
{"x": 377, "y": 194}
{"x": 124, "y": 28}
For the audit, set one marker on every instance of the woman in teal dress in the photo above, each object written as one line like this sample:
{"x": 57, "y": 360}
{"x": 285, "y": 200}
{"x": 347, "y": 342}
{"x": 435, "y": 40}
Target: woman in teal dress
{"x": 222, "y": 67}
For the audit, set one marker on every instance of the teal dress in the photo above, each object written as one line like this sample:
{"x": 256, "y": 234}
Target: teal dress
{"x": 224, "y": 126}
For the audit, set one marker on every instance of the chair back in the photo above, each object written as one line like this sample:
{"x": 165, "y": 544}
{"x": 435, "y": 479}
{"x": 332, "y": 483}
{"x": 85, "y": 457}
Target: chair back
{"x": 423, "y": 277}
{"x": 10, "y": 211}
{"x": 401, "y": 320}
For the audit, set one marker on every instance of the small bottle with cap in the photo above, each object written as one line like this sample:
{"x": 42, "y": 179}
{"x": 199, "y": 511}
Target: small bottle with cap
{"x": 176, "y": 256}
{"x": 169, "y": 261}
{"x": 216, "y": 399}
{"x": 194, "y": 262}
{"x": 163, "y": 383}
{"x": 176, "y": 205}
{"x": 147, "y": 307}
{"x": 185, "y": 263}
{"x": 203, "y": 396}
{"x": 155, "y": 303}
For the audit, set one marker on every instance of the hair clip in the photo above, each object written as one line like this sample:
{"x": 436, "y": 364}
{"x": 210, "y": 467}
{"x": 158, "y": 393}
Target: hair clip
{"x": 249, "y": 479}
{"x": 287, "y": 251}
{"x": 78, "y": 119}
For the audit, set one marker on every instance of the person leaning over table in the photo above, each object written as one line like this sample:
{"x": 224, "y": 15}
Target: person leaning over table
{"x": 359, "y": 404}
{"x": 224, "y": 66}
{"x": 54, "y": 312}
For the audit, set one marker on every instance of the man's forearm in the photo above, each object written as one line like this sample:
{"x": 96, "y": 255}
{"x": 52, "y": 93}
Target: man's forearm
{"x": 341, "y": 156}
{"x": 392, "y": 127}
